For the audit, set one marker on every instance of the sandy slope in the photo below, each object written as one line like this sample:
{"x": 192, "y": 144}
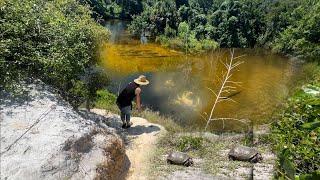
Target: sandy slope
{"x": 142, "y": 146}
{"x": 140, "y": 141}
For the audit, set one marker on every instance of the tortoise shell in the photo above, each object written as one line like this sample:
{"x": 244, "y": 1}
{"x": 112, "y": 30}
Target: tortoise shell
{"x": 179, "y": 158}
{"x": 244, "y": 153}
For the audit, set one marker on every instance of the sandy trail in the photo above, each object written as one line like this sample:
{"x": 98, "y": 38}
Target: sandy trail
{"x": 144, "y": 136}
{"x": 141, "y": 141}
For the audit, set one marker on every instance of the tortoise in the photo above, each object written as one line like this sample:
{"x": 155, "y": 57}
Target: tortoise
{"x": 179, "y": 158}
{"x": 244, "y": 153}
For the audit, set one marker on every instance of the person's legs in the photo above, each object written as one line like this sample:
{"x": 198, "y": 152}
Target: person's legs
{"x": 123, "y": 118}
{"x": 127, "y": 111}
{"x": 125, "y": 115}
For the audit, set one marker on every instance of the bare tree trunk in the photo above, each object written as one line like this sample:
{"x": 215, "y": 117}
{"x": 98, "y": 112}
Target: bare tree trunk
{"x": 227, "y": 86}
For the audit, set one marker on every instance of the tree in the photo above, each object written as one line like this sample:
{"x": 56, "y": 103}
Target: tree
{"x": 237, "y": 24}
{"x": 155, "y": 18}
{"x": 302, "y": 39}
{"x": 54, "y": 41}
{"x": 94, "y": 79}
{"x": 108, "y": 9}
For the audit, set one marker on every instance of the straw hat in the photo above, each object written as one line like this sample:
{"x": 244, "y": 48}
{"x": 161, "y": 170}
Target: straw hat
{"x": 142, "y": 80}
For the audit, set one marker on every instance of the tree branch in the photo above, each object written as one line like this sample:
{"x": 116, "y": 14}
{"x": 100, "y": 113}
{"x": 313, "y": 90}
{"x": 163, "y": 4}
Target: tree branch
{"x": 225, "y": 87}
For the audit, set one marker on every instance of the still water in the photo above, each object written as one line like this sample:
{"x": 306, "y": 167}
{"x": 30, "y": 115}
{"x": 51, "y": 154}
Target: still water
{"x": 179, "y": 83}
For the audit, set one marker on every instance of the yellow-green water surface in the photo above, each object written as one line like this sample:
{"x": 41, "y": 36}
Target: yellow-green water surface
{"x": 179, "y": 83}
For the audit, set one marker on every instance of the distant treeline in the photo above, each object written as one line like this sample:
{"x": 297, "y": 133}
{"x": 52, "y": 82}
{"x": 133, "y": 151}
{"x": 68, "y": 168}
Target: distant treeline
{"x": 110, "y": 9}
{"x": 285, "y": 26}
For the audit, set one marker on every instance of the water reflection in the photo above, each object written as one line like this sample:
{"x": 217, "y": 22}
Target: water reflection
{"x": 179, "y": 83}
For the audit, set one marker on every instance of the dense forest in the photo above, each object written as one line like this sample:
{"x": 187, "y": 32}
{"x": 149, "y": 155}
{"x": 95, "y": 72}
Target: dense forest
{"x": 110, "y": 9}
{"x": 58, "y": 42}
{"x": 286, "y": 26}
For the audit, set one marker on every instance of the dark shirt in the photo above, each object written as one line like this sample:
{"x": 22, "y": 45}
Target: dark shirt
{"x": 127, "y": 95}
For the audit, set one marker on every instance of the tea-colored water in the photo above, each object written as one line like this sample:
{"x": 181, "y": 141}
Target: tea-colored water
{"x": 179, "y": 83}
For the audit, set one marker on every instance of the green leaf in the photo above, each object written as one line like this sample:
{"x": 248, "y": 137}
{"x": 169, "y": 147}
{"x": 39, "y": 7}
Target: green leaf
{"x": 311, "y": 125}
{"x": 313, "y": 176}
{"x": 286, "y": 164}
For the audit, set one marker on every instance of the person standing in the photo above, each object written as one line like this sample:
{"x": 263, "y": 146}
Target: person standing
{"x": 127, "y": 95}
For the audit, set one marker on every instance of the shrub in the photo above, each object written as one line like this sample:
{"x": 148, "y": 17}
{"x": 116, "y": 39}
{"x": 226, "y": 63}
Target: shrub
{"x": 105, "y": 99}
{"x": 303, "y": 37}
{"x": 186, "y": 40}
{"x": 54, "y": 41}
{"x": 296, "y": 135}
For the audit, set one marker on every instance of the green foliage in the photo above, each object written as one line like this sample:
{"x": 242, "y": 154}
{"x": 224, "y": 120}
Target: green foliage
{"x": 238, "y": 23}
{"x": 54, "y": 41}
{"x": 187, "y": 143}
{"x": 296, "y": 135}
{"x": 183, "y": 30}
{"x": 286, "y": 163}
{"x": 302, "y": 38}
{"x": 278, "y": 16}
{"x": 169, "y": 32}
{"x": 313, "y": 176}
{"x": 155, "y": 17}
{"x": 122, "y": 9}
{"x": 105, "y": 100}
{"x": 155, "y": 117}
{"x": 94, "y": 79}
{"x": 231, "y": 23}
{"x": 78, "y": 93}
{"x": 311, "y": 72}
{"x": 286, "y": 26}
{"x": 186, "y": 40}
{"x": 207, "y": 44}
{"x": 139, "y": 25}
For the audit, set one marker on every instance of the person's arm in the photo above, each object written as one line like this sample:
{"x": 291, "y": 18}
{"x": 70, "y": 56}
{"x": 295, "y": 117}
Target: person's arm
{"x": 138, "y": 98}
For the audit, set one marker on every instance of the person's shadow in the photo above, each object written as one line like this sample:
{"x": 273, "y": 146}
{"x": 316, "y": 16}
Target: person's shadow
{"x": 138, "y": 130}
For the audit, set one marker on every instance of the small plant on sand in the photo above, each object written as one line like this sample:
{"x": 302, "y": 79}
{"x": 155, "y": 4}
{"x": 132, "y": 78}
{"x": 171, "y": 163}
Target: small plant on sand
{"x": 187, "y": 143}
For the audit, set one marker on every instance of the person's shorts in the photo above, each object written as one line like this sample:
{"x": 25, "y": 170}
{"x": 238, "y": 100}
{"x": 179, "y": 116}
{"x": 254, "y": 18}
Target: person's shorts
{"x": 126, "y": 110}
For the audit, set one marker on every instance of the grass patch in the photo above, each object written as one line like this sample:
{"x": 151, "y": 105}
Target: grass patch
{"x": 155, "y": 117}
{"x": 106, "y": 100}
{"x": 210, "y": 155}
{"x": 187, "y": 143}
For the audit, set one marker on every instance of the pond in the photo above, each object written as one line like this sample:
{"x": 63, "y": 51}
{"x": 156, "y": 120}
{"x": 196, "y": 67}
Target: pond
{"x": 180, "y": 83}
